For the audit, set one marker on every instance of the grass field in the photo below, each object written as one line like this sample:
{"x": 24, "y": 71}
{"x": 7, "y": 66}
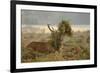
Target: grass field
{"x": 36, "y": 48}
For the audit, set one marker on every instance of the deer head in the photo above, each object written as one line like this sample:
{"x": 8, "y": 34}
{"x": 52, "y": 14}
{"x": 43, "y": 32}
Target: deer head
{"x": 55, "y": 38}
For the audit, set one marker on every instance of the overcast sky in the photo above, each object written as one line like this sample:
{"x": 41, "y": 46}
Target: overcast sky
{"x": 32, "y": 17}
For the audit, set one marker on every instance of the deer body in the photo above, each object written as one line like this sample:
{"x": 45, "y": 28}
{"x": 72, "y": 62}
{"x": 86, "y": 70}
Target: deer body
{"x": 39, "y": 46}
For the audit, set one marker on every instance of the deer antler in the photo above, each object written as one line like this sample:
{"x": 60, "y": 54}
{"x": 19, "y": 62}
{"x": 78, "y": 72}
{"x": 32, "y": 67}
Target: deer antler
{"x": 51, "y": 29}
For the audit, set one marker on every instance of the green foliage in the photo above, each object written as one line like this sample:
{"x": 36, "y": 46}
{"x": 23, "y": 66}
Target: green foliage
{"x": 64, "y": 28}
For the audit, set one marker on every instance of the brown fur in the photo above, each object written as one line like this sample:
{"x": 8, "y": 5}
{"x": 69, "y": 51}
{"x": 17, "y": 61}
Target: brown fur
{"x": 40, "y": 46}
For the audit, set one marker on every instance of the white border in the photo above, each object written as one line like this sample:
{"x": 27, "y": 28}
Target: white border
{"x": 20, "y": 65}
